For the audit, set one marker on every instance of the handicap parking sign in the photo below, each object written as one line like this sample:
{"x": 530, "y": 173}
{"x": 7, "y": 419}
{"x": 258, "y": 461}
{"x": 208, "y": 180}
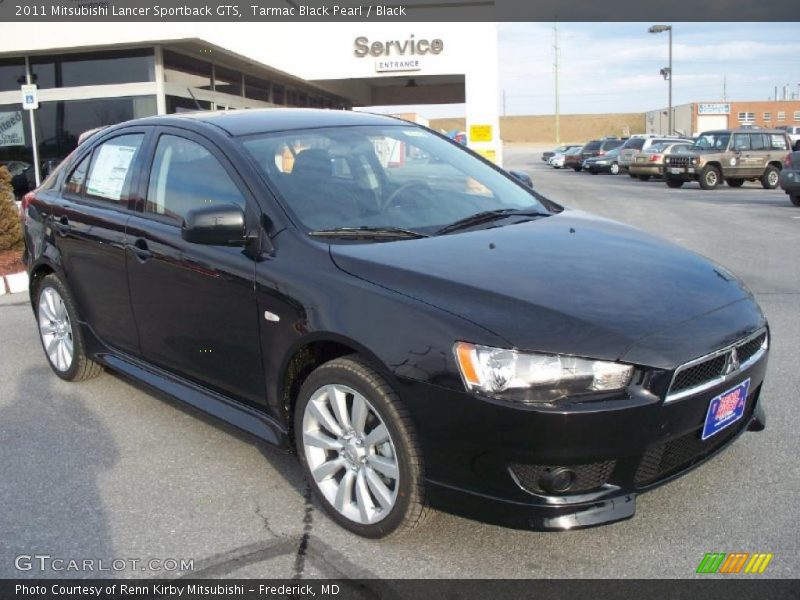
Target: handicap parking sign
{"x": 30, "y": 97}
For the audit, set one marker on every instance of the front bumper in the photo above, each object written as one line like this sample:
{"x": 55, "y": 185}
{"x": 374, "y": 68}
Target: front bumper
{"x": 482, "y": 455}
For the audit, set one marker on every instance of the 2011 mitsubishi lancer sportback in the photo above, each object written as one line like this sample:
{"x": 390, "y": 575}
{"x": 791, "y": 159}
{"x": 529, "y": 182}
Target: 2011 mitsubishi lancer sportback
{"x": 424, "y": 329}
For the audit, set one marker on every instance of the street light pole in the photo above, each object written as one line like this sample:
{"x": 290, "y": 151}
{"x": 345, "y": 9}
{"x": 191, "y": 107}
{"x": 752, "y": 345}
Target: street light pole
{"x": 666, "y": 73}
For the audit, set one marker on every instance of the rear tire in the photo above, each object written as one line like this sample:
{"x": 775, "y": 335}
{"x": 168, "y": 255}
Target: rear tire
{"x": 614, "y": 169}
{"x": 735, "y": 182}
{"x": 770, "y": 178}
{"x": 673, "y": 182}
{"x": 709, "y": 178}
{"x": 577, "y": 169}
{"x": 60, "y": 332}
{"x": 359, "y": 449}
{"x": 644, "y": 177}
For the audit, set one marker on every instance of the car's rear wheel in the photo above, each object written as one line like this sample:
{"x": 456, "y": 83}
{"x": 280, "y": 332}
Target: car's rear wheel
{"x": 59, "y": 332}
{"x": 795, "y": 199}
{"x": 709, "y": 178}
{"x": 614, "y": 169}
{"x": 359, "y": 449}
{"x": 673, "y": 182}
{"x": 577, "y": 169}
{"x": 734, "y": 182}
{"x": 769, "y": 179}
{"x": 644, "y": 177}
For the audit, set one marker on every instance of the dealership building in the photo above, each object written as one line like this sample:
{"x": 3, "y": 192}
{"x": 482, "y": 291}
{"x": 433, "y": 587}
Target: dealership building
{"x": 94, "y": 74}
{"x": 693, "y": 118}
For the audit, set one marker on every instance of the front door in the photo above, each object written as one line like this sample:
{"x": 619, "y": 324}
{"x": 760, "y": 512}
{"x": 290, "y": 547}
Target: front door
{"x": 195, "y": 305}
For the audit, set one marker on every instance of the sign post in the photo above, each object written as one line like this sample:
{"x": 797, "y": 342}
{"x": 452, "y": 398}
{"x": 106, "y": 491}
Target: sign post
{"x": 30, "y": 102}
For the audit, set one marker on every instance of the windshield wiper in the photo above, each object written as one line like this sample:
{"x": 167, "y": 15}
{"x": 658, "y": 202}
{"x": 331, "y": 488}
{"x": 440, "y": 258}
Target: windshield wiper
{"x": 367, "y": 232}
{"x": 488, "y": 216}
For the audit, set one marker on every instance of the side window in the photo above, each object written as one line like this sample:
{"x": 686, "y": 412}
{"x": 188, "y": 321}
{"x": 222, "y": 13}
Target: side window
{"x": 185, "y": 176}
{"x": 758, "y": 141}
{"x": 778, "y": 141}
{"x": 111, "y": 171}
{"x": 741, "y": 141}
{"x": 74, "y": 183}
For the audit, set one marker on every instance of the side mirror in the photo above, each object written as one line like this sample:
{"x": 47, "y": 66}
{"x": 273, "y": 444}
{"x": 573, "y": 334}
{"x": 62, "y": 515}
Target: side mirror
{"x": 522, "y": 177}
{"x": 215, "y": 225}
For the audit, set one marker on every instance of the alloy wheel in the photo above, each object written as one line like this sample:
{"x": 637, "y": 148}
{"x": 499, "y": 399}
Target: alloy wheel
{"x": 350, "y": 454}
{"x": 55, "y": 329}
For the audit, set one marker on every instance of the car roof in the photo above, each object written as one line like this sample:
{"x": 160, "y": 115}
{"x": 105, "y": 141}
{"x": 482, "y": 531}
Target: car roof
{"x": 743, "y": 130}
{"x": 251, "y": 121}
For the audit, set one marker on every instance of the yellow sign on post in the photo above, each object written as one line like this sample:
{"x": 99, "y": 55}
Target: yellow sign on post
{"x": 480, "y": 133}
{"x": 488, "y": 154}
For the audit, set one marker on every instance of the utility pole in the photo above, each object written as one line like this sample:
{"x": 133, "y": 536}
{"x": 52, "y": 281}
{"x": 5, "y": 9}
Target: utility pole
{"x": 558, "y": 112}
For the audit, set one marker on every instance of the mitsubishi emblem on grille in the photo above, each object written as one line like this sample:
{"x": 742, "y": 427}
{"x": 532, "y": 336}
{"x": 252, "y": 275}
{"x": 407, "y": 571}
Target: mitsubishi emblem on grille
{"x": 733, "y": 362}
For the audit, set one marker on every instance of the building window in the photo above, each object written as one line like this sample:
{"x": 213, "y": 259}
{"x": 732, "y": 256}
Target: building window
{"x": 781, "y": 116}
{"x": 186, "y": 71}
{"x": 747, "y": 117}
{"x": 256, "y": 89}
{"x": 279, "y": 94}
{"x": 96, "y": 68}
{"x": 797, "y": 115}
{"x": 12, "y": 74}
{"x": 227, "y": 81}
{"x": 177, "y": 104}
{"x": 767, "y": 117}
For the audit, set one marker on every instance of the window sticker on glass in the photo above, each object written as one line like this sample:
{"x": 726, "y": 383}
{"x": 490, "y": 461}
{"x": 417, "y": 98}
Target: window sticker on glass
{"x": 109, "y": 171}
{"x": 413, "y": 133}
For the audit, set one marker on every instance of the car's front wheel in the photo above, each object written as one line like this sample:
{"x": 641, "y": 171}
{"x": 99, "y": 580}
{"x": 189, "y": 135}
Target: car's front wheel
{"x": 359, "y": 449}
{"x": 709, "y": 178}
{"x": 614, "y": 169}
{"x": 59, "y": 332}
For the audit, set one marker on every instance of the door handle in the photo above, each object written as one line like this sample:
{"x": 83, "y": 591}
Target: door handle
{"x": 141, "y": 250}
{"x": 62, "y": 225}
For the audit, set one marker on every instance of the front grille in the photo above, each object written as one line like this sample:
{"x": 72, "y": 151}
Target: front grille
{"x": 668, "y": 458}
{"x": 588, "y": 476}
{"x": 679, "y": 161}
{"x": 702, "y": 374}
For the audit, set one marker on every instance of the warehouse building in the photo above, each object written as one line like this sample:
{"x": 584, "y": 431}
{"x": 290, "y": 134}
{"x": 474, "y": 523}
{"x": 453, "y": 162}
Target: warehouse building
{"x": 693, "y": 118}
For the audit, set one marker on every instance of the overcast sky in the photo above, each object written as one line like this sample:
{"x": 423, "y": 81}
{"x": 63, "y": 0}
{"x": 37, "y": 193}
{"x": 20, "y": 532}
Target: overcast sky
{"x": 614, "y": 67}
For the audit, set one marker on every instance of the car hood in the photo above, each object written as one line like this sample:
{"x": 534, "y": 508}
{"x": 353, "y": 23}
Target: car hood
{"x": 571, "y": 283}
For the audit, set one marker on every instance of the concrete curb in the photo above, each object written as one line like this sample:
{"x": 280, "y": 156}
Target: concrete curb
{"x": 14, "y": 283}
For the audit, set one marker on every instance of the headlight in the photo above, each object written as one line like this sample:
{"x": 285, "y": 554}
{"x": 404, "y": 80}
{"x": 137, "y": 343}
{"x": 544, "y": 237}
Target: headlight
{"x": 666, "y": 159}
{"x": 533, "y": 377}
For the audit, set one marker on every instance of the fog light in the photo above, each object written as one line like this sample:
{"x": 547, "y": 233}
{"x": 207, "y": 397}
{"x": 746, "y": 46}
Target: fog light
{"x": 558, "y": 480}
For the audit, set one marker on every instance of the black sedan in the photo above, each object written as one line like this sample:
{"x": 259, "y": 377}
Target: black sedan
{"x": 790, "y": 177}
{"x": 422, "y": 328}
{"x": 605, "y": 163}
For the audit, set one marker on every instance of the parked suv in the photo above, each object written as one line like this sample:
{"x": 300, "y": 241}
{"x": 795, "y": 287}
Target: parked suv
{"x": 421, "y": 327}
{"x": 597, "y": 148}
{"x": 636, "y": 145}
{"x": 735, "y": 155}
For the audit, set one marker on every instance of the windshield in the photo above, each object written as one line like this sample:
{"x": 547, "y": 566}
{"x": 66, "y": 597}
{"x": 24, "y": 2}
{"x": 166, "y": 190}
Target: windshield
{"x": 381, "y": 176}
{"x": 712, "y": 141}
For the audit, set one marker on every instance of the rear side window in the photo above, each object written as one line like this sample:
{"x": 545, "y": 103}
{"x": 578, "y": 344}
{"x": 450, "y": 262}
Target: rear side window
{"x": 634, "y": 144}
{"x": 74, "y": 184}
{"x": 759, "y": 141}
{"x": 610, "y": 145}
{"x": 778, "y": 141}
{"x": 185, "y": 176}
{"x": 111, "y": 171}
{"x": 594, "y": 145}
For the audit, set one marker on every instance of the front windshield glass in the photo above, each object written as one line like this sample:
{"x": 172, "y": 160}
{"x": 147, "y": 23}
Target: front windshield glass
{"x": 712, "y": 141}
{"x": 381, "y": 176}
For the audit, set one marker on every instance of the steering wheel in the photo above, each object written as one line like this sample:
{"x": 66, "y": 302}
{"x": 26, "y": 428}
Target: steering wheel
{"x": 406, "y": 187}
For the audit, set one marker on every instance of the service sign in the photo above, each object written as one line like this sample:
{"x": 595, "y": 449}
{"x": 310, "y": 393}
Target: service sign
{"x": 12, "y": 132}
{"x": 719, "y": 108}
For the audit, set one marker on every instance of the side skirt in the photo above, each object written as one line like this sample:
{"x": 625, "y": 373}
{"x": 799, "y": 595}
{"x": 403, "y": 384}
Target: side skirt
{"x": 235, "y": 413}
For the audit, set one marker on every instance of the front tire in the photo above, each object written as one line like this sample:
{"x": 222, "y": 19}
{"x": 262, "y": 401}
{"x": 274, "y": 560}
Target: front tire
{"x": 769, "y": 179}
{"x": 673, "y": 182}
{"x": 359, "y": 449}
{"x": 614, "y": 169}
{"x": 60, "y": 333}
{"x": 709, "y": 178}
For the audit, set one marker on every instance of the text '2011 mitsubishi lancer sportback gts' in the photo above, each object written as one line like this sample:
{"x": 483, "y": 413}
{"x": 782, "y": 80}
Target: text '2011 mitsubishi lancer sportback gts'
{"x": 424, "y": 329}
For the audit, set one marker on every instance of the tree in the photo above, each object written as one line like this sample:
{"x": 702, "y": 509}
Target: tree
{"x": 10, "y": 227}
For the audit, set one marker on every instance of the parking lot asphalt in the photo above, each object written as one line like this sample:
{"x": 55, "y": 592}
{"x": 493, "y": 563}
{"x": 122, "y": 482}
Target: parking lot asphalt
{"x": 106, "y": 470}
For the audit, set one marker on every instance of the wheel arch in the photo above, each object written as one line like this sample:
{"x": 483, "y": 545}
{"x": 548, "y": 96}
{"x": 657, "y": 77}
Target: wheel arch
{"x": 307, "y": 354}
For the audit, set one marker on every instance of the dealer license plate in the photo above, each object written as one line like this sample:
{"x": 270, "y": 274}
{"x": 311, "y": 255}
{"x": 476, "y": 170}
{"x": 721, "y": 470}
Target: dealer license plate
{"x": 726, "y": 409}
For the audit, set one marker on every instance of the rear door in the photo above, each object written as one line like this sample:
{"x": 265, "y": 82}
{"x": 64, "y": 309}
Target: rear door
{"x": 195, "y": 305}
{"x": 90, "y": 226}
